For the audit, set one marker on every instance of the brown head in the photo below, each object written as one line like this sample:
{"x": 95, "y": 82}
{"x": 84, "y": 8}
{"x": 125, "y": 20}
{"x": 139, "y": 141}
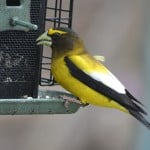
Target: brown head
{"x": 61, "y": 40}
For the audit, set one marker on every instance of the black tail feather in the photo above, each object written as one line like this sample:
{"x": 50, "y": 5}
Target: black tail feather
{"x": 141, "y": 110}
{"x": 130, "y": 104}
{"x": 132, "y": 97}
{"x": 140, "y": 117}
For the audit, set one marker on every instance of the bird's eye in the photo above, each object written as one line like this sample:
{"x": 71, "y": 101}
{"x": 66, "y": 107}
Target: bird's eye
{"x": 57, "y": 35}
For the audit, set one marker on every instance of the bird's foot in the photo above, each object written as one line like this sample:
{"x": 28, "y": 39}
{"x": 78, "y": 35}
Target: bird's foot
{"x": 70, "y": 100}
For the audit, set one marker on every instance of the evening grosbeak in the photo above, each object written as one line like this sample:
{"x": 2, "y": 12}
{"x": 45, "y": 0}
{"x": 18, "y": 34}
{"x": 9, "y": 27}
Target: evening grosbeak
{"x": 84, "y": 76}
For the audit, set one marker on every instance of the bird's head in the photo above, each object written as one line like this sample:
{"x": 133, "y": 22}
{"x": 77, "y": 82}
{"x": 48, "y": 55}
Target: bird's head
{"x": 59, "y": 39}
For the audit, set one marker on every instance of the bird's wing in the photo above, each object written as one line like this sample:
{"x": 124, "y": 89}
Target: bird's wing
{"x": 95, "y": 70}
{"x": 93, "y": 74}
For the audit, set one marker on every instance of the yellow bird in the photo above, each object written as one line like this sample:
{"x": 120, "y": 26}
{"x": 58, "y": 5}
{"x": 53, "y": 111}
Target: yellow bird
{"x": 85, "y": 77}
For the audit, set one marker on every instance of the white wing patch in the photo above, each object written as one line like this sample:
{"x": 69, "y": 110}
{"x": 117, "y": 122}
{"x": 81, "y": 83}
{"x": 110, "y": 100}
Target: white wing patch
{"x": 109, "y": 80}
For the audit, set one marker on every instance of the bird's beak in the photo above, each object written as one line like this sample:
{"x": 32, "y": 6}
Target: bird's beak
{"x": 44, "y": 39}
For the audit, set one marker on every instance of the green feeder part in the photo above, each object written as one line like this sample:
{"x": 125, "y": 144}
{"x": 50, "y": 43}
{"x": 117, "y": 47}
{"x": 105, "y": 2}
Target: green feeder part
{"x": 48, "y": 102}
{"x": 15, "y": 15}
{"x": 16, "y": 21}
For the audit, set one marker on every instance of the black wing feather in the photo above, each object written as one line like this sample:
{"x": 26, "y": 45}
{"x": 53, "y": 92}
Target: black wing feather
{"x": 126, "y": 101}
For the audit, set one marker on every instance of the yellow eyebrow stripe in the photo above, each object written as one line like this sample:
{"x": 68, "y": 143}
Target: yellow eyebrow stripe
{"x": 52, "y": 31}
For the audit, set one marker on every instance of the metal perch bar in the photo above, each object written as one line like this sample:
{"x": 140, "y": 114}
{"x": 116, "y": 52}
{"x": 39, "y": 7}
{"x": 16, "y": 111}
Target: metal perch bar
{"x": 49, "y": 102}
{"x": 16, "y": 21}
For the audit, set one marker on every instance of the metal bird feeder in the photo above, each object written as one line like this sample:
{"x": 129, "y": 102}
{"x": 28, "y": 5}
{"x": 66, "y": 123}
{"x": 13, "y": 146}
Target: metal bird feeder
{"x": 22, "y": 62}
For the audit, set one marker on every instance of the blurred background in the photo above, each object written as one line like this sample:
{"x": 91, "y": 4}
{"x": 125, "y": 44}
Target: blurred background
{"x": 119, "y": 30}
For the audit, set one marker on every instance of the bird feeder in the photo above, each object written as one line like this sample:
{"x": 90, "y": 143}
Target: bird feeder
{"x": 22, "y": 61}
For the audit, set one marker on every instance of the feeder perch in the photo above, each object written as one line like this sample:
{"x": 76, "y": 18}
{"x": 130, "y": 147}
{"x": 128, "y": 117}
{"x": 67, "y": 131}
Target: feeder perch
{"x": 48, "y": 102}
{"x": 15, "y": 21}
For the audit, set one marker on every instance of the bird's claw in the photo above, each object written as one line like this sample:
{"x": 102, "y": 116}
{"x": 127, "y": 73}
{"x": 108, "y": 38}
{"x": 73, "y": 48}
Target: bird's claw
{"x": 69, "y": 100}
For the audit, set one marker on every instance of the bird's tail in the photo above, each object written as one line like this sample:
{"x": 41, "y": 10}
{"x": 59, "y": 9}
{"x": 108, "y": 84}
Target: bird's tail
{"x": 136, "y": 110}
{"x": 140, "y": 117}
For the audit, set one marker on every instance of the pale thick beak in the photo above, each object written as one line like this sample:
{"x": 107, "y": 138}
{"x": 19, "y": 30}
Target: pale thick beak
{"x": 44, "y": 39}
